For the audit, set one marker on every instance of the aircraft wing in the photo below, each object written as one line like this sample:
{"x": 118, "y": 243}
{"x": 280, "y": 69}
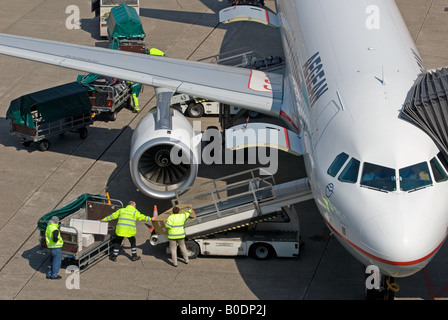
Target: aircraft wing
{"x": 249, "y": 89}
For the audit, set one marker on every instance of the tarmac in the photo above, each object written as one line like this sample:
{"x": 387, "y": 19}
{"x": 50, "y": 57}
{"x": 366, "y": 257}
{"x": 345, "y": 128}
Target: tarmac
{"x": 33, "y": 182}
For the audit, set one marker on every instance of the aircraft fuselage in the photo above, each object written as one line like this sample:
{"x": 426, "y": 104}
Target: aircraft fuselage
{"x": 350, "y": 65}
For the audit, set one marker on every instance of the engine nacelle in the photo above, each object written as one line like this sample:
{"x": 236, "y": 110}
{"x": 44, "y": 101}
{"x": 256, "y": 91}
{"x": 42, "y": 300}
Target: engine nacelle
{"x": 163, "y": 158}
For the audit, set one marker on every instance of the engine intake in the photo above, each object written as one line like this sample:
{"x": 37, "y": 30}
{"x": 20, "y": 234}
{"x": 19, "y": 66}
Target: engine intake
{"x": 156, "y": 166}
{"x": 163, "y": 160}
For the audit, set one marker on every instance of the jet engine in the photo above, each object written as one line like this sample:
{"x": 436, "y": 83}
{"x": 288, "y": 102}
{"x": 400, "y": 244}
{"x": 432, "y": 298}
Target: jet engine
{"x": 163, "y": 158}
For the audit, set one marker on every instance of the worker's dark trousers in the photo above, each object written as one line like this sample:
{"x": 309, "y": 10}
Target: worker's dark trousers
{"x": 56, "y": 261}
{"x": 117, "y": 244}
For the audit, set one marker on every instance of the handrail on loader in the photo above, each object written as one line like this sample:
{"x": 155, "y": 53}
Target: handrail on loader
{"x": 251, "y": 189}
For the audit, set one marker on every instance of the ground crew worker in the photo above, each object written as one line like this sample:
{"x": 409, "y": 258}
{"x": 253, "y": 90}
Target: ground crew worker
{"x": 126, "y": 228}
{"x": 137, "y": 87}
{"x": 156, "y": 52}
{"x": 176, "y": 233}
{"x": 135, "y": 91}
{"x": 54, "y": 242}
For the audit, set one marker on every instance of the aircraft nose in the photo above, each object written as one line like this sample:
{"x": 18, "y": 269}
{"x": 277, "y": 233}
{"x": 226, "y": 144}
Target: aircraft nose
{"x": 402, "y": 239}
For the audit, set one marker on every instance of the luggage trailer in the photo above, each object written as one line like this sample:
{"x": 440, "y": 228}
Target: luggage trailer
{"x": 37, "y": 116}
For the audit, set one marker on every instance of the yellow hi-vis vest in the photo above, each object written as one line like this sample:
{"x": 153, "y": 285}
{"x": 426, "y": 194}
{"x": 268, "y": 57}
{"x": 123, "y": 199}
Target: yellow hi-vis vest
{"x": 156, "y": 52}
{"x": 175, "y": 224}
{"x": 127, "y": 217}
{"x": 49, "y": 236}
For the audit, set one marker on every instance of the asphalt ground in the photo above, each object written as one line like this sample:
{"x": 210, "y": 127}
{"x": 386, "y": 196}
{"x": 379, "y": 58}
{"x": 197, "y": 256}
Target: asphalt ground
{"x": 33, "y": 182}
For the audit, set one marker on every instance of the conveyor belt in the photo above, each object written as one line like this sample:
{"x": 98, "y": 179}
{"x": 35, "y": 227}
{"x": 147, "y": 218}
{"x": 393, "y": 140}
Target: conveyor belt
{"x": 262, "y": 201}
{"x": 235, "y": 226}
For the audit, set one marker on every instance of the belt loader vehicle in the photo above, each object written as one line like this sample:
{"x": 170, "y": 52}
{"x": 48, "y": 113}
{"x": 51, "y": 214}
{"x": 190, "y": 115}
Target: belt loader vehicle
{"x": 197, "y": 107}
{"x": 251, "y": 216}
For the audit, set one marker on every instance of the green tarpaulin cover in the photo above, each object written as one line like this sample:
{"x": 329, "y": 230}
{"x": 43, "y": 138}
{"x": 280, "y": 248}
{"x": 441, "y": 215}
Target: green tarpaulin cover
{"x": 65, "y": 211}
{"x": 85, "y": 80}
{"x": 52, "y": 104}
{"x": 124, "y": 22}
{"x": 114, "y": 44}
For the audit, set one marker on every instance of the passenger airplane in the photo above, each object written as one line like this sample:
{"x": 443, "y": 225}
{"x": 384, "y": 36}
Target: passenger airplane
{"x": 379, "y": 182}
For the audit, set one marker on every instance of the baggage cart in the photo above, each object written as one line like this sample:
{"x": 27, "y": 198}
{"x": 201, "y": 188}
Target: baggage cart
{"x": 125, "y": 30}
{"x": 37, "y": 116}
{"x": 107, "y": 95}
{"x": 102, "y": 8}
{"x": 86, "y": 207}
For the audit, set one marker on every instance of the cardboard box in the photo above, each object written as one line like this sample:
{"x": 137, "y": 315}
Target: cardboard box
{"x": 74, "y": 232}
{"x": 159, "y": 221}
{"x": 87, "y": 240}
{"x": 89, "y": 226}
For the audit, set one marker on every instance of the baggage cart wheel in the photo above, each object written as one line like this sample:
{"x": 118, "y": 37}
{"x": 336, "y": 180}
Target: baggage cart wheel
{"x": 83, "y": 133}
{"x": 25, "y": 142}
{"x": 44, "y": 145}
{"x": 113, "y": 116}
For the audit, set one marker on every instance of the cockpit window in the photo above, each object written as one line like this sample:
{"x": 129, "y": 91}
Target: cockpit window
{"x": 350, "y": 172}
{"x": 437, "y": 170}
{"x": 337, "y": 164}
{"x": 414, "y": 177}
{"x": 378, "y": 177}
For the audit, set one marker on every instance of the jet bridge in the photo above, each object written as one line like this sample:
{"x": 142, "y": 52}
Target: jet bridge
{"x": 426, "y": 106}
{"x": 237, "y": 201}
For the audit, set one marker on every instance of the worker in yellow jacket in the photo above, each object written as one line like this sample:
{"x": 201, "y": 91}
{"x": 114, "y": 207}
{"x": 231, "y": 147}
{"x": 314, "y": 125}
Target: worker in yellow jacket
{"x": 54, "y": 242}
{"x": 156, "y": 52}
{"x": 176, "y": 233}
{"x": 135, "y": 91}
{"x": 136, "y": 88}
{"x": 126, "y": 228}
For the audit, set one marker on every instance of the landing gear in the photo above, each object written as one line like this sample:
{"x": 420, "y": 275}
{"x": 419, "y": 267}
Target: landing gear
{"x": 384, "y": 289}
